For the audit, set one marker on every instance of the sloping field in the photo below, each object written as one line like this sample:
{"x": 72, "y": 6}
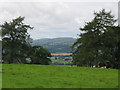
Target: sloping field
{"x": 42, "y": 76}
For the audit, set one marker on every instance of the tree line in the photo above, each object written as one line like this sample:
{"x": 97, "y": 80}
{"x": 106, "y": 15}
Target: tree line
{"x": 16, "y": 44}
{"x": 99, "y": 45}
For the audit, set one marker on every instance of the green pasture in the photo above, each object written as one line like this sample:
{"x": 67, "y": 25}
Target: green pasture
{"x": 0, "y": 76}
{"x": 53, "y": 76}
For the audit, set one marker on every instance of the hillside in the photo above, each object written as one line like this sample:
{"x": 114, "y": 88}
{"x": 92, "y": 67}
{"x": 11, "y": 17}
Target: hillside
{"x": 56, "y": 45}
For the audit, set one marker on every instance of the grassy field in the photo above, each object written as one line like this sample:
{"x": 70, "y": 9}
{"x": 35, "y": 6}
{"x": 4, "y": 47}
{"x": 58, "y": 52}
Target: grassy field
{"x": 0, "y": 76}
{"x": 51, "y": 76}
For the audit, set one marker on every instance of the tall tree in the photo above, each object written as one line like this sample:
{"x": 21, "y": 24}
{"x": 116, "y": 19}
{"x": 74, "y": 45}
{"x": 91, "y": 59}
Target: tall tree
{"x": 93, "y": 45}
{"x": 15, "y": 40}
{"x": 112, "y": 46}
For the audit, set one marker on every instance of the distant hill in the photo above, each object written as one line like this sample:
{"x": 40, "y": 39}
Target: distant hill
{"x": 56, "y": 45}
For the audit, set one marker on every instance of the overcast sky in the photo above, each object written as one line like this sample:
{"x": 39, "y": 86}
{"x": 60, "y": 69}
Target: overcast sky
{"x": 54, "y": 19}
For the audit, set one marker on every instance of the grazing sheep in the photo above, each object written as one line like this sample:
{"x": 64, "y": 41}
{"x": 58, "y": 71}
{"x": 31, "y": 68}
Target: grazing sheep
{"x": 103, "y": 67}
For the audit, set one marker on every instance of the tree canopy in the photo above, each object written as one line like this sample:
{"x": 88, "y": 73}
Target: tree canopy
{"x": 98, "y": 45}
{"x": 17, "y": 43}
{"x": 15, "y": 40}
{"x": 40, "y": 55}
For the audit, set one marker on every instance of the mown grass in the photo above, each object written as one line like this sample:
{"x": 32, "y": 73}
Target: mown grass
{"x": 51, "y": 76}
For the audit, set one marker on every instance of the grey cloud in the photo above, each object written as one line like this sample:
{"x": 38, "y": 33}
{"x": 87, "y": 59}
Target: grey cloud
{"x": 54, "y": 19}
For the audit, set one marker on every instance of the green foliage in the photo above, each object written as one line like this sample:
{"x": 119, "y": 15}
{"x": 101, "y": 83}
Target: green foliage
{"x": 17, "y": 44}
{"x": 99, "y": 42}
{"x": 15, "y": 40}
{"x": 52, "y": 76}
{"x": 39, "y": 55}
